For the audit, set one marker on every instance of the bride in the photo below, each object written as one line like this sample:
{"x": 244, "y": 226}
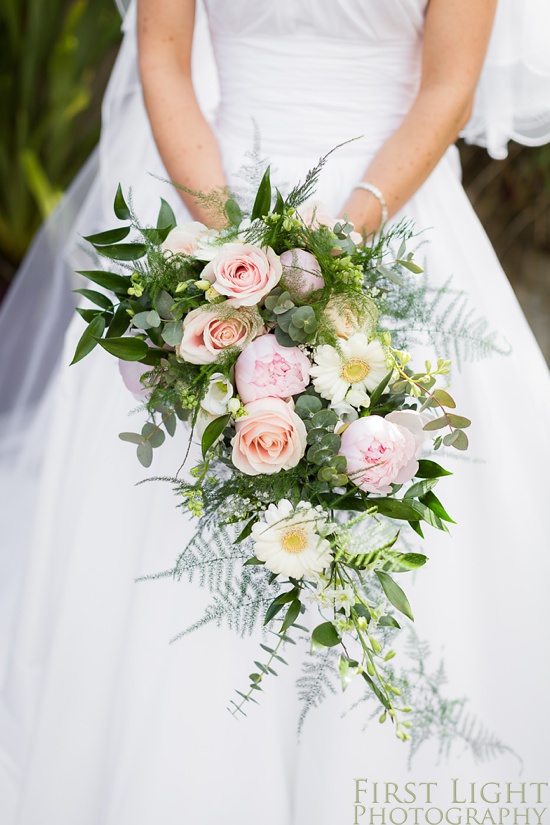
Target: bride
{"x": 101, "y": 722}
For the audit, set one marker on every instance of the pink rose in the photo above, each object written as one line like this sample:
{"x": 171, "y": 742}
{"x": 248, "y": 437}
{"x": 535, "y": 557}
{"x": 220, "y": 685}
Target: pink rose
{"x": 131, "y": 372}
{"x": 264, "y": 368}
{"x": 244, "y": 272}
{"x": 184, "y": 239}
{"x": 269, "y": 439}
{"x": 301, "y": 271}
{"x": 208, "y": 332}
{"x": 382, "y": 451}
{"x": 315, "y": 214}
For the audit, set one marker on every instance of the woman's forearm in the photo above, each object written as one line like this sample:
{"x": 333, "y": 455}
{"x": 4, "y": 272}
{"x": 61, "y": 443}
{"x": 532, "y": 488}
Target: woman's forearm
{"x": 184, "y": 139}
{"x": 409, "y": 156}
{"x": 456, "y": 35}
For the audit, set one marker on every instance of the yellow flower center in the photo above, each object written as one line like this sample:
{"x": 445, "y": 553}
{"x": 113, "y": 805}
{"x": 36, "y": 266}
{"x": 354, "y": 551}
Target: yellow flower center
{"x": 355, "y": 370}
{"x": 295, "y": 541}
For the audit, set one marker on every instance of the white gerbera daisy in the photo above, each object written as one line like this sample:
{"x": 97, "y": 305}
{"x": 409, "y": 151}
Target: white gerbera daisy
{"x": 360, "y": 366}
{"x": 291, "y": 540}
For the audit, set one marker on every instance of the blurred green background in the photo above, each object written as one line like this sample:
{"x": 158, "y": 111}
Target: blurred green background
{"x": 55, "y": 59}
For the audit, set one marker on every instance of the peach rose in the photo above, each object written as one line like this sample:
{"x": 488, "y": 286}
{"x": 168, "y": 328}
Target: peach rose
{"x": 270, "y": 438}
{"x": 349, "y": 319}
{"x": 208, "y": 332}
{"x": 184, "y": 239}
{"x": 244, "y": 272}
{"x": 301, "y": 271}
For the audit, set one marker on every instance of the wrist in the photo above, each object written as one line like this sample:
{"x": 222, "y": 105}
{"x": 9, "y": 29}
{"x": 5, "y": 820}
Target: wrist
{"x": 364, "y": 211}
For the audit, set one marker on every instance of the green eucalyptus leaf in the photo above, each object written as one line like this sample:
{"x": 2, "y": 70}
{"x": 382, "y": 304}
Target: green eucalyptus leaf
{"x": 444, "y": 398}
{"x": 172, "y": 333}
{"x": 331, "y": 441}
{"x": 145, "y": 454}
{"x": 141, "y": 320}
{"x": 436, "y": 424}
{"x": 163, "y": 304}
{"x": 153, "y": 318}
{"x": 132, "y": 438}
{"x": 213, "y": 432}
{"x": 325, "y": 419}
{"x": 458, "y": 421}
{"x": 315, "y": 435}
{"x": 461, "y": 441}
{"x": 307, "y": 406}
{"x": 153, "y": 434}
{"x": 395, "y": 594}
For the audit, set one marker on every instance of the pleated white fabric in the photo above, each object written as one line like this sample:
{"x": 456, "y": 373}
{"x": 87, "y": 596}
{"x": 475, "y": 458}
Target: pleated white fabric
{"x": 102, "y": 723}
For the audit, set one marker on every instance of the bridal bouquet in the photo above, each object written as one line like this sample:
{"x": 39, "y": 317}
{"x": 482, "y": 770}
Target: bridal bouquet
{"x": 281, "y": 341}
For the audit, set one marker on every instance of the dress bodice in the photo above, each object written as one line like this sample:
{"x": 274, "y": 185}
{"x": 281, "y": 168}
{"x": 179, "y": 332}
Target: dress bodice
{"x": 313, "y": 73}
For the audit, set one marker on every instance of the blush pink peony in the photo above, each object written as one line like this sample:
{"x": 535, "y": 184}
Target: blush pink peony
{"x": 270, "y": 438}
{"x": 301, "y": 271}
{"x": 184, "y": 239}
{"x": 208, "y": 332}
{"x": 131, "y": 373}
{"x": 264, "y": 368}
{"x": 382, "y": 451}
{"x": 244, "y": 272}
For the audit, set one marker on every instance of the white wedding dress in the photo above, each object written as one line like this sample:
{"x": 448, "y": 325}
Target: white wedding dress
{"x": 101, "y": 721}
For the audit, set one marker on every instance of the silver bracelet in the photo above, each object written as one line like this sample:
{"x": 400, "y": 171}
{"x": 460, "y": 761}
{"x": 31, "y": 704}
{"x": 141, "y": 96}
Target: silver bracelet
{"x": 374, "y": 190}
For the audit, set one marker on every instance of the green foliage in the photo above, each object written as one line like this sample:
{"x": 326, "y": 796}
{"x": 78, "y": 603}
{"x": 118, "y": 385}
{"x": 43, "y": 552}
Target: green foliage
{"x": 433, "y": 716}
{"x": 53, "y": 65}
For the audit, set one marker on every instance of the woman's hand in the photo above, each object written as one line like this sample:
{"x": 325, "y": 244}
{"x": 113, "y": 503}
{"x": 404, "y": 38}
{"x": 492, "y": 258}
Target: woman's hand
{"x": 455, "y": 42}
{"x": 184, "y": 139}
